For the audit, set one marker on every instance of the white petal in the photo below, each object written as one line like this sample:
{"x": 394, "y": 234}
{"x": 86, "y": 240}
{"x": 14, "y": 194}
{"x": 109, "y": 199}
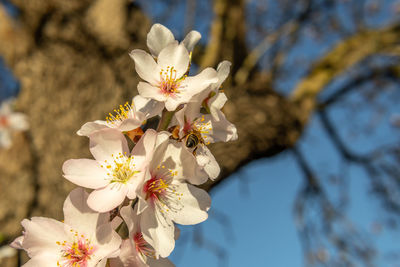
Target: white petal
{"x": 109, "y": 242}
{"x": 144, "y": 149}
{"x": 85, "y": 172}
{"x": 147, "y": 90}
{"x": 223, "y": 71}
{"x": 107, "y": 143}
{"x": 191, "y": 40}
{"x": 222, "y": 129}
{"x": 195, "y": 84}
{"x": 158, "y": 230}
{"x": 130, "y": 124}
{"x": 172, "y": 104}
{"x": 107, "y": 198}
{"x": 79, "y": 216}
{"x": 206, "y": 159}
{"x": 90, "y": 127}
{"x": 159, "y": 37}
{"x": 147, "y": 106}
{"x": 192, "y": 206}
{"x": 216, "y": 103}
{"x": 41, "y": 235}
{"x": 145, "y": 66}
{"x": 43, "y": 260}
{"x": 175, "y": 56}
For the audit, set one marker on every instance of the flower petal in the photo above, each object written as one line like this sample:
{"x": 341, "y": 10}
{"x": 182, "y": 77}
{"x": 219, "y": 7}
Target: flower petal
{"x": 159, "y": 37}
{"x": 109, "y": 242}
{"x": 192, "y": 206}
{"x": 147, "y": 90}
{"x": 175, "y": 56}
{"x": 107, "y": 198}
{"x": 195, "y": 84}
{"x": 79, "y": 216}
{"x": 206, "y": 160}
{"x": 41, "y": 235}
{"x": 145, "y": 66}
{"x": 148, "y": 106}
{"x": 158, "y": 230}
{"x": 85, "y": 172}
{"x": 90, "y": 127}
{"x": 191, "y": 40}
{"x": 107, "y": 143}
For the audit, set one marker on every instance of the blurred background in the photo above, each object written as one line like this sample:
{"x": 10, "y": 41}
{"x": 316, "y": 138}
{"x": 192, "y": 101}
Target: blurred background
{"x": 314, "y": 179}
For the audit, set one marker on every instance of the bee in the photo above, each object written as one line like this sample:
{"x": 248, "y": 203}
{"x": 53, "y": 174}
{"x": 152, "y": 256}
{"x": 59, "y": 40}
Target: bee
{"x": 191, "y": 139}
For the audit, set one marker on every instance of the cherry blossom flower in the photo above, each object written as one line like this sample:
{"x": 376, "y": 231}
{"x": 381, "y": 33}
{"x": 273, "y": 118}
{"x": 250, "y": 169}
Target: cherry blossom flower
{"x": 160, "y": 37}
{"x": 197, "y": 129}
{"x": 10, "y": 122}
{"x": 127, "y": 117}
{"x": 84, "y": 239}
{"x": 166, "y": 79}
{"x": 115, "y": 172}
{"x": 136, "y": 251}
{"x": 165, "y": 198}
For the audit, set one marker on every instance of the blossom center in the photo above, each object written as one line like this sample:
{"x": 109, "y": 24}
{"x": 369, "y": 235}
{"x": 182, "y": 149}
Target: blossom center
{"x": 122, "y": 169}
{"x": 169, "y": 84}
{"x": 156, "y": 188}
{"x": 142, "y": 247}
{"x": 77, "y": 253}
{"x": 160, "y": 191}
{"x": 122, "y": 113}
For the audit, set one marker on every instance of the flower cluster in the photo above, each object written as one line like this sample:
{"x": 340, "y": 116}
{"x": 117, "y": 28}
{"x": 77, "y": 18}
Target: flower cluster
{"x": 140, "y": 177}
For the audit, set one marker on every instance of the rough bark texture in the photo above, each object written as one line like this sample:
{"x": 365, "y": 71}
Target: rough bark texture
{"x": 71, "y": 58}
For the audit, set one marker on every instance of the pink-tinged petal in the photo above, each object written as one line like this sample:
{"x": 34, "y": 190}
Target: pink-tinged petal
{"x": 90, "y": 127}
{"x": 206, "y": 159}
{"x": 192, "y": 206}
{"x": 157, "y": 229}
{"x": 191, "y": 40}
{"x": 79, "y": 216}
{"x": 17, "y": 243}
{"x": 175, "y": 56}
{"x": 145, "y": 66}
{"x": 107, "y": 198}
{"x": 147, "y": 90}
{"x": 159, "y": 37}
{"x": 216, "y": 103}
{"x": 85, "y": 172}
{"x": 195, "y": 84}
{"x": 149, "y": 107}
{"x": 107, "y": 144}
{"x": 41, "y": 234}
